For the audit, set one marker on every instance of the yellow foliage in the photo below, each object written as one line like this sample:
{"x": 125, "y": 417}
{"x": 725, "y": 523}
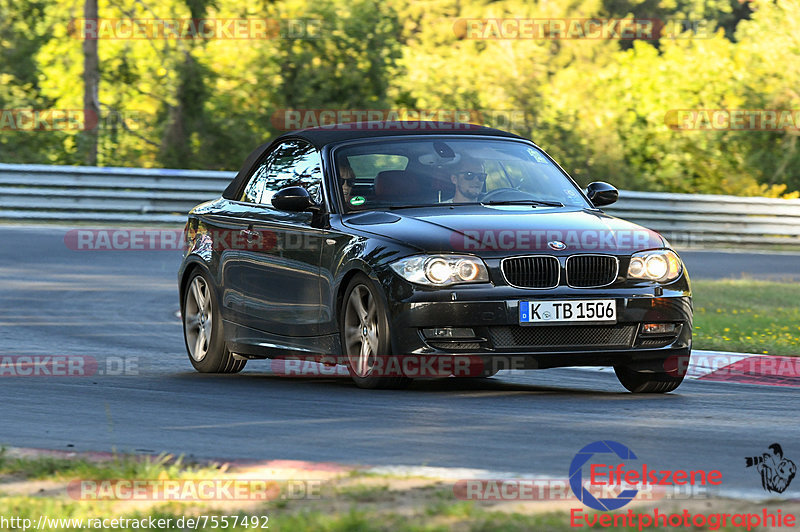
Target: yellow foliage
{"x": 769, "y": 191}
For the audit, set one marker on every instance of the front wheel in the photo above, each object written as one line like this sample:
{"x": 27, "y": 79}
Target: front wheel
{"x": 641, "y": 382}
{"x": 365, "y": 337}
{"x": 202, "y": 329}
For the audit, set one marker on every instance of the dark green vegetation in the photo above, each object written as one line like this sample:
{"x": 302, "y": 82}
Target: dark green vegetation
{"x": 600, "y": 106}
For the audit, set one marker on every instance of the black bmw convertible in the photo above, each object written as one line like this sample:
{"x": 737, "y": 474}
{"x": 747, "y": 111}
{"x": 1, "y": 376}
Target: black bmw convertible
{"x": 392, "y": 247}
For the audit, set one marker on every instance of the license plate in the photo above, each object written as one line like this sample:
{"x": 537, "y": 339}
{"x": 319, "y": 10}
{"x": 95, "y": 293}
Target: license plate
{"x": 594, "y": 310}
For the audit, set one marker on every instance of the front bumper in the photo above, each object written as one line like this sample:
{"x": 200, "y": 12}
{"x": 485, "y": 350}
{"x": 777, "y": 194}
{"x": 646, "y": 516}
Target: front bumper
{"x": 492, "y": 312}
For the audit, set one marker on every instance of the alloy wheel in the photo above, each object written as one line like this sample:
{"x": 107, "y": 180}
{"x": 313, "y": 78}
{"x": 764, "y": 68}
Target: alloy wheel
{"x": 198, "y": 319}
{"x": 361, "y": 331}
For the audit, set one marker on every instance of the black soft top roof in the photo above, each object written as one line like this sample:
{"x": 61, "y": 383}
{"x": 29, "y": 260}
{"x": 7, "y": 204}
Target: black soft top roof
{"x": 322, "y": 136}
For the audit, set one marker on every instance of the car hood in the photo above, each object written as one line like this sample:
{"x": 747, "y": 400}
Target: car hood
{"x": 507, "y": 230}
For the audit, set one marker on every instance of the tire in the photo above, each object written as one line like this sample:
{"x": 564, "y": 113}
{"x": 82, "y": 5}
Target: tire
{"x": 640, "y": 382}
{"x": 202, "y": 328}
{"x": 365, "y": 334}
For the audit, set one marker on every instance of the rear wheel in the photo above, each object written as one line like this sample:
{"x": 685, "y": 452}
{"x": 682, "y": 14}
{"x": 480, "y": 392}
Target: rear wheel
{"x": 202, "y": 329}
{"x": 641, "y": 382}
{"x": 365, "y": 337}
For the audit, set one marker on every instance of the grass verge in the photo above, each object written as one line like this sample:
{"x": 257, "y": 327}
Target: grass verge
{"x": 747, "y": 316}
{"x": 34, "y": 487}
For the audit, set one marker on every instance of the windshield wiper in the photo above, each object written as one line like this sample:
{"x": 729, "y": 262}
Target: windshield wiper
{"x": 395, "y": 207}
{"x": 525, "y": 202}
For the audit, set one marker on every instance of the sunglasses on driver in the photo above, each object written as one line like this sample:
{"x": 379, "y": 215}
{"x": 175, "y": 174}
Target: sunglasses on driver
{"x": 469, "y": 176}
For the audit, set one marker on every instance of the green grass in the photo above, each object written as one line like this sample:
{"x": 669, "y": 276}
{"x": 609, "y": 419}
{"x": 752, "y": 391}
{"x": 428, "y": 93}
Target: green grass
{"x": 123, "y": 467}
{"x": 358, "y": 507}
{"x": 747, "y": 316}
{"x": 364, "y": 492}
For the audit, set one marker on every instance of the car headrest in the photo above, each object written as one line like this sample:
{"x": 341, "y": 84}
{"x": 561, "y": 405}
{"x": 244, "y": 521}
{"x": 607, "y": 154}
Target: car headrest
{"x": 395, "y": 185}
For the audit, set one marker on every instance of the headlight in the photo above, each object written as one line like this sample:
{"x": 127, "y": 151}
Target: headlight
{"x": 661, "y": 265}
{"x": 441, "y": 270}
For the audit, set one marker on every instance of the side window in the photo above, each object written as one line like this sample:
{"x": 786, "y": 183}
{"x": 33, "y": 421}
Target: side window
{"x": 255, "y": 187}
{"x": 294, "y": 163}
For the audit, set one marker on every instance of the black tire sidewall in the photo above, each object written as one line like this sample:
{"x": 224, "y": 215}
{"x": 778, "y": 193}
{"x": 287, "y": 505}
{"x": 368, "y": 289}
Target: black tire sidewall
{"x": 641, "y": 382}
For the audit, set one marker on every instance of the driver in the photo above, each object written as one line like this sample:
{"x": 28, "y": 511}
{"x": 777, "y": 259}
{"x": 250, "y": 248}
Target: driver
{"x": 468, "y": 179}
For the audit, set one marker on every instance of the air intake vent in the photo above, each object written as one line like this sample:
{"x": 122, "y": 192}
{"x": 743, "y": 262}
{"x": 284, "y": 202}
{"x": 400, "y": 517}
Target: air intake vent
{"x": 532, "y": 272}
{"x": 587, "y": 271}
{"x": 563, "y": 338}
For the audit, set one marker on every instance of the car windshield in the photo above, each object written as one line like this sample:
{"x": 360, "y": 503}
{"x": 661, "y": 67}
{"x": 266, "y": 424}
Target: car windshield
{"x": 392, "y": 173}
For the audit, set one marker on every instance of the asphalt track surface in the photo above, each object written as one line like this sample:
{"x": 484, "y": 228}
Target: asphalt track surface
{"x": 119, "y": 307}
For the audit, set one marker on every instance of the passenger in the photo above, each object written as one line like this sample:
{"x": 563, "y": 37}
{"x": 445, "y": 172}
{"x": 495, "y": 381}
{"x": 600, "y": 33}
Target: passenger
{"x": 348, "y": 179}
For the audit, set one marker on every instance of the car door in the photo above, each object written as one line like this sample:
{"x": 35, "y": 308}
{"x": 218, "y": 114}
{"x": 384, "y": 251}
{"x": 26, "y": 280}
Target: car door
{"x": 277, "y": 270}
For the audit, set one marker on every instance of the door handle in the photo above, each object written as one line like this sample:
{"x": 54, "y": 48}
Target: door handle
{"x": 249, "y": 234}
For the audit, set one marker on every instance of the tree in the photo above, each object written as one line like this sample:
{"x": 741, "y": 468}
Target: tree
{"x": 91, "y": 82}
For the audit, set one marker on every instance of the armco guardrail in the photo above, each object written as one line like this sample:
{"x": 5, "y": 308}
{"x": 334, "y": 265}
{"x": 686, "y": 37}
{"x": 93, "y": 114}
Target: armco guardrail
{"x": 40, "y": 193}
{"x": 699, "y": 219}
{"x": 70, "y": 194}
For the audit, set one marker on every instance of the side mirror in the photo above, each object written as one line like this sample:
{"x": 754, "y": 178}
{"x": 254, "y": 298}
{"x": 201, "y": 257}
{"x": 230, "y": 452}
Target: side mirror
{"x": 293, "y": 199}
{"x": 600, "y": 193}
